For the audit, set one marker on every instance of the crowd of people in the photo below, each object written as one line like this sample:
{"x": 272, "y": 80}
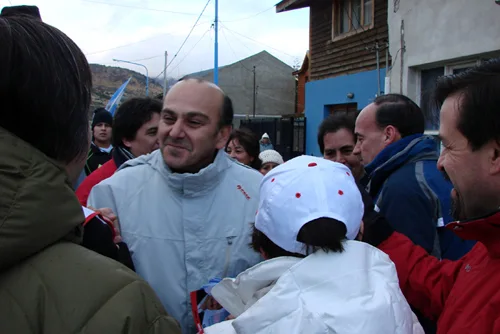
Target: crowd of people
{"x": 109, "y": 223}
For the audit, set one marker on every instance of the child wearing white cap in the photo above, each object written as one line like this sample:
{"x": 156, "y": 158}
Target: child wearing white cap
{"x": 316, "y": 277}
{"x": 269, "y": 159}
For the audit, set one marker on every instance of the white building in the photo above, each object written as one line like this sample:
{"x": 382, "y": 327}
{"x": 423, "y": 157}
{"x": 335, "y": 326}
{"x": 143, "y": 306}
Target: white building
{"x": 431, "y": 38}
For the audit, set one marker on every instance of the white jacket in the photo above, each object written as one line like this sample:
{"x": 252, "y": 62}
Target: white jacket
{"x": 183, "y": 229}
{"x": 355, "y": 292}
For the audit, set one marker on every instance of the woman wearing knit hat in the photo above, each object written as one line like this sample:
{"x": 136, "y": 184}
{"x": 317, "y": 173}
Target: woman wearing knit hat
{"x": 270, "y": 159}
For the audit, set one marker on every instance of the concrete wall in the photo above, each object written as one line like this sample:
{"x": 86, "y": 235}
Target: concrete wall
{"x": 322, "y": 93}
{"x": 437, "y": 33}
{"x": 274, "y": 81}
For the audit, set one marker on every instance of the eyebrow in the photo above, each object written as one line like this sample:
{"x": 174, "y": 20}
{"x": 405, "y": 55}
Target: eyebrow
{"x": 189, "y": 114}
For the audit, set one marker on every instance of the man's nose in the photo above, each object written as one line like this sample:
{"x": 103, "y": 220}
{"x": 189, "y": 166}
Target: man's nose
{"x": 340, "y": 158}
{"x": 177, "y": 130}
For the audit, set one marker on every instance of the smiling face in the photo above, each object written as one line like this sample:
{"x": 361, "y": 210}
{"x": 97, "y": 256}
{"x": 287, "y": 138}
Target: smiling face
{"x": 238, "y": 152}
{"x": 339, "y": 147}
{"x": 146, "y": 138}
{"x": 473, "y": 173}
{"x": 189, "y": 131}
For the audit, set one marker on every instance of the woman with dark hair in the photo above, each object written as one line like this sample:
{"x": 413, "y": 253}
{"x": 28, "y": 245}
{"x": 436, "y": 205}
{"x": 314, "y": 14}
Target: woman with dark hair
{"x": 316, "y": 278}
{"x": 243, "y": 146}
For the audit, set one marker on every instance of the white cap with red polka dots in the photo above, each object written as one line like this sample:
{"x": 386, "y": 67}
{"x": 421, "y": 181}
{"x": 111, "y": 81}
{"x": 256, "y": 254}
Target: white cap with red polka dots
{"x": 304, "y": 189}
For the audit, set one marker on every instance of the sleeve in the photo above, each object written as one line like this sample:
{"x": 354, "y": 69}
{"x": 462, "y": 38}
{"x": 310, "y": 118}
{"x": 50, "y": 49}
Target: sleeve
{"x": 409, "y": 212}
{"x": 133, "y": 309}
{"x": 98, "y": 237}
{"x": 102, "y": 196}
{"x": 425, "y": 281}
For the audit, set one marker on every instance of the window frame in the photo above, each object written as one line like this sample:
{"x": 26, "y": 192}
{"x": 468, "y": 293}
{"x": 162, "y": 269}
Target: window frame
{"x": 352, "y": 31}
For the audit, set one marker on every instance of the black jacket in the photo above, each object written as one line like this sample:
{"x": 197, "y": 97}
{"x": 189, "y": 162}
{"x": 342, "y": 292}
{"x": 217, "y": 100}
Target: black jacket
{"x": 95, "y": 159}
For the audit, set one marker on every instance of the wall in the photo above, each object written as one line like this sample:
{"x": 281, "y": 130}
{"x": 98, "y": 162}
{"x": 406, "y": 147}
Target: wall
{"x": 349, "y": 54}
{"x": 321, "y": 93}
{"x": 437, "y": 32}
{"x": 274, "y": 81}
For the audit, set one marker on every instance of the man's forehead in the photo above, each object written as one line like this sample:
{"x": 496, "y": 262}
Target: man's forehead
{"x": 202, "y": 97}
{"x": 340, "y": 138}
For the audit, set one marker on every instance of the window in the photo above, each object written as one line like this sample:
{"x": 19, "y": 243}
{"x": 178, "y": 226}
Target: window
{"x": 343, "y": 109}
{"x": 349, "y": 16}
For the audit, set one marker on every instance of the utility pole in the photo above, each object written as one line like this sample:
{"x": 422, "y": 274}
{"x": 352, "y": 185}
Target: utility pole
{"x": 254, "y": 92}
{"x": 216, "y": 46}
{"x": 165, "y": 80}
{"x": 377, "y": 49}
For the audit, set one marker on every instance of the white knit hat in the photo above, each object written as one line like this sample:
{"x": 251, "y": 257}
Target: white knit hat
{"x": 265, "y": 135}
{"x": 302, "y": 190}
{"x": 271, "y": 156}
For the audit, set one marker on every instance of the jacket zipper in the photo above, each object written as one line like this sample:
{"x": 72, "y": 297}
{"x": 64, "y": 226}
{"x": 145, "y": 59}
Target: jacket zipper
{"x": 228, "y": 256}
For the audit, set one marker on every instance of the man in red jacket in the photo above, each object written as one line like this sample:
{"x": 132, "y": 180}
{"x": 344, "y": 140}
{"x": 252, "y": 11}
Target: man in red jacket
{"x": 135, "y": 127}
{"x": 463, "y": 295}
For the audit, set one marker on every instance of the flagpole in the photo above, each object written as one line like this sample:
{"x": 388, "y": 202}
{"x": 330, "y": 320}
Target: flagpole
{"x": 216, "y": 46}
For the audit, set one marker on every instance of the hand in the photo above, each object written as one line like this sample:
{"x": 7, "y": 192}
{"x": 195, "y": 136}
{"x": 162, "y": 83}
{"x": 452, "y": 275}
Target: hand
{"x": 211, "y": 304}
{"x": 110, "y": 215}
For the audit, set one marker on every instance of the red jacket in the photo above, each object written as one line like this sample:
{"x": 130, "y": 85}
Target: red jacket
{"x": 463, "y": 295}
{"x": 100, "y": 174}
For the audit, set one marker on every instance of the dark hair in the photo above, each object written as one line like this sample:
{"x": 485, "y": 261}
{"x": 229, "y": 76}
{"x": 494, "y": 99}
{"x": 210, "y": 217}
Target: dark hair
{"x": 401, "y": 112}
{"x": 45, "y": 88}
{"x": 28, "y": 11}
{"x": 334, "y": 123}
{"x": 479, "y": 89}
{"x": 250, "y": 143}
{"x": 131, "y": 115}
{"x": 227, "y": 111}
{"x": 326, "y": 234}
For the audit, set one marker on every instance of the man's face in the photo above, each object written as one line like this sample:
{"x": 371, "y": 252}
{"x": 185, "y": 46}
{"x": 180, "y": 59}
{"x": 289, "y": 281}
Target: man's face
{"x": 339, "y": 147}
{"x": 470, "y": 172}
{"x": 102, "y": 132}
{"x": 146, "y": 138}
{"x": 371, "y": 139}
{"x": 189, "y": 134}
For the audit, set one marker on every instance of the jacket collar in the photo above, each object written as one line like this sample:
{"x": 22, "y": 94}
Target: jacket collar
{"x": 485, "y": 230}
{"x": 408, "y": 149}
{"x": 38, "y": 206}
{"x": 121, "y": 155}
{"x": 188, "y": 184}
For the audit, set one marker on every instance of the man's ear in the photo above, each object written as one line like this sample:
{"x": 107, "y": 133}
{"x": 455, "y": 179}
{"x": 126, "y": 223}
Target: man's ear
{"x": 494, "y": 157}
{"x": 391, "y": 135}
{"x": 223, "y": 136}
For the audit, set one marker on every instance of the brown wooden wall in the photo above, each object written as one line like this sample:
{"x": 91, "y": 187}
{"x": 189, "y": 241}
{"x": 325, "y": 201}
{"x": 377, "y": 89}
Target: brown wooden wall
{"x": 347, "y": 55}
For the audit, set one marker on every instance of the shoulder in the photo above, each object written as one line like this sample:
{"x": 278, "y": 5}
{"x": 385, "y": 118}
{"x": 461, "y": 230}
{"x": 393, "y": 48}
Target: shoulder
{"x": 100, "y": 174}
{"x": 403, "y": 181}
{"x": 244, "y": 175}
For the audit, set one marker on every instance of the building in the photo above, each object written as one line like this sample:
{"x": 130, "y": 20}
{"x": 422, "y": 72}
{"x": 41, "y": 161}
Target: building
{"x": 302, "y": 76}
{"x": 259, "y": 86}
{"x": 430, "y": 38}
{"x": 348, "y": 55}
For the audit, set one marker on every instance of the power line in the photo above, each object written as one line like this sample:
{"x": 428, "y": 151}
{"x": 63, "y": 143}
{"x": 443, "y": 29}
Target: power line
{"x": 251, "y": 16}
{"x": 255, "y": 41}
{"x": 194, "y": 46}
{"x": 148, "y": 58}
{"x": 227, "y": 41}
{"x": 141, "y": 8}
{"x": 189, "y": 34}
{"x": 125, "y": 45}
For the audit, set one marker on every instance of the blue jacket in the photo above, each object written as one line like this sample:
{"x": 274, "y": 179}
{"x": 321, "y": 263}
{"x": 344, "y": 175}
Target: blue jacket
{"x": 414, "y": 196}
{"x": 265, "y": 147}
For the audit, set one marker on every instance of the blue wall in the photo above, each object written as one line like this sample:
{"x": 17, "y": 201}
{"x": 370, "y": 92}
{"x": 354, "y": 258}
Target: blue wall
{"x": 321, "y": 93}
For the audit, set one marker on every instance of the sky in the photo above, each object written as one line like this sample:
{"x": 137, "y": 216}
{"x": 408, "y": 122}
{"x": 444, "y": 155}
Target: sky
{"x": 142, "y": 30}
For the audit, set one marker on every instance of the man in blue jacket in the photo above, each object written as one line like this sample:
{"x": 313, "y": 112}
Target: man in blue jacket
{"x": 404, "y": 180}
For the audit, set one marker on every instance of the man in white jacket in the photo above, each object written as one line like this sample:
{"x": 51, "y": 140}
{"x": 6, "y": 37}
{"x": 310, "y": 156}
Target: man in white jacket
{"x": 318, "y": 279}
{"x": 185, "y": 211}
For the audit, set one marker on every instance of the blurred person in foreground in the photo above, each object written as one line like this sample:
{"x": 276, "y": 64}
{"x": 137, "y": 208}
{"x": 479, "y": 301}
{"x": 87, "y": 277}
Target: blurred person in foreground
{"x": 462, "y": 295}
{"x": 185, "y": 210}
{"x": 270, "y": 159}
{"x": 243, "y": 146}
{"x": 316, "y": 277}
{"x": 49, "y": 283}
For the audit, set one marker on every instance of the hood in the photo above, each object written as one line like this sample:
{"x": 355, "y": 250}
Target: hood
{"x": 408, "y": 149}
{"x": 189, "y": 184}
{"x": 356, "y": 291}
{"x": 38, "y": 206}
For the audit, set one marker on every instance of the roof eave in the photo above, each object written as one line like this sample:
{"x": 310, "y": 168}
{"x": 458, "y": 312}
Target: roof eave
{"x": 287, "y": 5}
